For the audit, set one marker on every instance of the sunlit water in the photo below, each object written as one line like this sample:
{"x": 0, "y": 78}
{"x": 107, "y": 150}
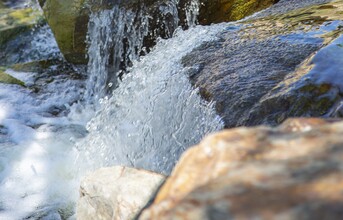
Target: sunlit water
{"x": 150, "y": 119}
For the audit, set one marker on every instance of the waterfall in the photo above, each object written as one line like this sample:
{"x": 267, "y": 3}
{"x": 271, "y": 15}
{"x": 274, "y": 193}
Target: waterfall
{"x": 118, "y": 36}
{"x": 154, "y": 114}
{"x": 114, "y": 42}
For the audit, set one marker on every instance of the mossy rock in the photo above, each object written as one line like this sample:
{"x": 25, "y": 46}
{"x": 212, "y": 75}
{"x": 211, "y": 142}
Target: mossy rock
{"x": 68, "y": 20}
{"x": 216, "y": 11}
{"x": 16, "y": 21}
{"x": 8, "y": 79}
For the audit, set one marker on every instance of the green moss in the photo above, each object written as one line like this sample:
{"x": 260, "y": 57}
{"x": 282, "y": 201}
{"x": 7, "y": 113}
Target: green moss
{"x": 34, "y": 66}
{"x": 14, "y": 22}
{"x": 68, "y": 22}
{"x": 215, "y": 11}
{"x": 8, "y": 79}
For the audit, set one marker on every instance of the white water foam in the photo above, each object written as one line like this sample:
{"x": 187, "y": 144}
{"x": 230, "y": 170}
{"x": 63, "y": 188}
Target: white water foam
{"x": 154, "y": 114}
{"x": 36, "y": 150}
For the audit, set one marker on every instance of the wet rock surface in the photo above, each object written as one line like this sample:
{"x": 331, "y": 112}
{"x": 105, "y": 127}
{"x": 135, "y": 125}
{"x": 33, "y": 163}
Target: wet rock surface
{"x": 116, "y": 193}
{"x": 216, "y": 11}
{"x": 24, "y": 35}
{"x": 284, "y": 6}
{"x": 254, "y": 57}
{"x": 293, "y": 171}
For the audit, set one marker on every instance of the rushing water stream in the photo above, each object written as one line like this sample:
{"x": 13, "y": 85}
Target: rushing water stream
{"x": 152, "y": 116}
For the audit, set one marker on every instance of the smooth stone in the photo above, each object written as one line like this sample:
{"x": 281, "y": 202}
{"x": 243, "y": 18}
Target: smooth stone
{"x": 116, "y": 193}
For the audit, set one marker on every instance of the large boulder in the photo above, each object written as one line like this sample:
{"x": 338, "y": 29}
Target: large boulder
{"x": 263, "y": 70}
{"x": 293, "y": 171}
{"x": 68, "y": 21}
{"x": 116, "y": 193}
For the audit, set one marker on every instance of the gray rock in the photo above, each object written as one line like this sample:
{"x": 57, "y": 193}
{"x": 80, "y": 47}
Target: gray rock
{"x": 116, "y": 193}
{"x": 290, "y": 172}
{"x": 259, "y": 55}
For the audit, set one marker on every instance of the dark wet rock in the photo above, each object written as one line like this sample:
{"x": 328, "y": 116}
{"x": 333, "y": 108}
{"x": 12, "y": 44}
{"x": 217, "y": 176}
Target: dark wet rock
{"x": 318, "y": 93}
{"x": 284, "y": 6}
{"x": 254, "y": 57}
{"x": 289, "y": 172}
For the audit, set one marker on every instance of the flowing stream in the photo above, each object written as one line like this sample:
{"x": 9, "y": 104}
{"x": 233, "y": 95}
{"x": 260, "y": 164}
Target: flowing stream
{"x": 146, "y": 120}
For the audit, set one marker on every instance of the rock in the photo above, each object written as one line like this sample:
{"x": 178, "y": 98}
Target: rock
{"x": 8, "y": 79}
{"x": 16, "y": 21}
{"x": 290, "y": 172}
{"x": 48, "y": 71}
{"x": 316, "y": 93}
{"x": 116, "y": 193}
{"x": 68, "y": 21}
{"x": 21, "y": 35}
{"x": 250, "y": 71}
{"x": 216, "y": 11}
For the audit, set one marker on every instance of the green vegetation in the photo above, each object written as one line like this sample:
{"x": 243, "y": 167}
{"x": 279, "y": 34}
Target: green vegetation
{"x": 8, "y": 79}
{"x": 14, "y": 22}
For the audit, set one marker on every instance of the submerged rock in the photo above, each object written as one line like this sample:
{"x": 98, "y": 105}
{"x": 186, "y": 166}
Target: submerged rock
{"x": 116, "y": 193}
{"x": 47, "y": 72}
{"x": 253, "y": 60}
{"x": 293, "y": 171}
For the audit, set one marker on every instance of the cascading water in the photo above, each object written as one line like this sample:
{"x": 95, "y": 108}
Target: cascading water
{"x": 118, "y": 36}
{"x": 151, "y": 117}
{"x": 154, "y": 114}
{"x": 114, "y": 42}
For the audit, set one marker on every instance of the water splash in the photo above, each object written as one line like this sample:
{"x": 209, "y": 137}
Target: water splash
{"x": 154, "y": 114}
{"x": 192, "y": 13}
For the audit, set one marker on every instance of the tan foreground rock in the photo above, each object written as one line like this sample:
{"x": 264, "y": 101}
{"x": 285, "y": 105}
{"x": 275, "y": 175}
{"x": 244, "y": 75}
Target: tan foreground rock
{"x": 294, "y": 171}
{"x": 116, "y": 193}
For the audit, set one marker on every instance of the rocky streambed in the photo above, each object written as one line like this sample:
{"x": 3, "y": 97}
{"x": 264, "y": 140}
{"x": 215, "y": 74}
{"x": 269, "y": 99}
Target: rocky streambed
{"x": 66, "y": 114}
